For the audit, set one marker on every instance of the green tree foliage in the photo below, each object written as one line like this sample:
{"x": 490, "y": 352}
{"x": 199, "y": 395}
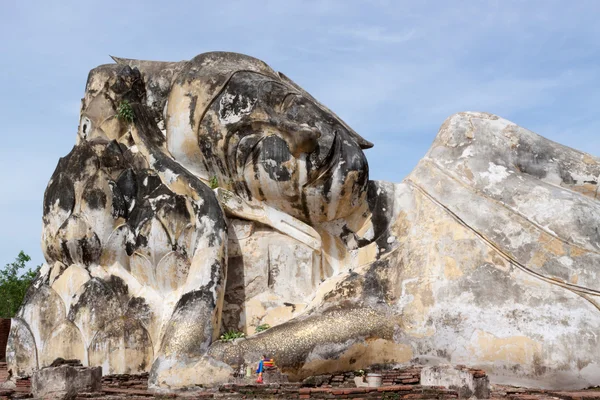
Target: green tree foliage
{"x": 13, "y": 285}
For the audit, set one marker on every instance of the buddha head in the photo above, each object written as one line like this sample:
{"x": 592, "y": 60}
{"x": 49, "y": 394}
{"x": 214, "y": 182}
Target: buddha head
{"x": 231, "y": 118}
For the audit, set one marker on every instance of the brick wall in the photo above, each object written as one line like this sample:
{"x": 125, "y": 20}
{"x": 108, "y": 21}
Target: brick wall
{"x": 4, "y": 329}
{"x": 291, "y": 391}
{"x": 126, "y": 381}
{"x": 400, "y": 376}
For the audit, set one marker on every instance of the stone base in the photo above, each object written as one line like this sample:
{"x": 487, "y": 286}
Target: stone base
{"x": 467, "y": 382}
{"x": 65, "y": 382}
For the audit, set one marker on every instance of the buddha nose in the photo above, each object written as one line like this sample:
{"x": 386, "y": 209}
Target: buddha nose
{"x": 300, "y": 138}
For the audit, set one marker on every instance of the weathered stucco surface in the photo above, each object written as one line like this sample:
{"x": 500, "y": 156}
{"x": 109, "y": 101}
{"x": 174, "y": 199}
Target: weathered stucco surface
{"x": 487, "y": 254}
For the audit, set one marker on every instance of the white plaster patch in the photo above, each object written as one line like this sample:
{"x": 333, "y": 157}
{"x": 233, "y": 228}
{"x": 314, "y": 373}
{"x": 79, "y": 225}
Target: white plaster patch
{"x": 170, "y": 176}
{"x": 495, "y": 174}
{"x": 161, "y": 127}
{"x": 566, "y": 261}
{"x": 369, "y": 234}
{"x": 406, "y": 298}
{"x": 468, "y": 152}
{"x": 270, "y": 162}
{"x": 230, "y": 115}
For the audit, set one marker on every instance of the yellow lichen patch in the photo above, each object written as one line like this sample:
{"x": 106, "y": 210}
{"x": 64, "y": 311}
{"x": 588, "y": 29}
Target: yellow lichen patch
{"x": 359, "y": 356}
{"x": 113, "y": 127}
{"x": 326, "y": 288}
{"x": 180, "y": 186}
{"x": 56, "y": 270}
{"x": 470, "y": 133}
{"x": 255, "y": 310}
{"x": 552, "y": 245}
{"x": 69, "y": 282}
{"x": 587, "y": 189}
{"x": 459, "y": 232}
{"x": 357, "y": 222}
{"x": 451, "y": 271}
{"x": 539, "y": 259}
{"x": 279, "y": 315}
{"x": 66, "y": 342}
{"x": 513, "y": 349}
{"x": 465, "y": 172}
{"x": 400, "y": 228}
{"x": 423, "y": 300}
{"x": 367, "y": 254}
{"x": 577, "y": 251}
{"x": 335, "y": 257}
{"x": 418, "y": 299}
{"x": 590, "y": 160}
{"x": 495, "y": 258}
{"x": 190, "y": 148}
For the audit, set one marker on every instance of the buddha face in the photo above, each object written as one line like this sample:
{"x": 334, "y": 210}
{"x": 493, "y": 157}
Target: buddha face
{"x": 270, "y": 142}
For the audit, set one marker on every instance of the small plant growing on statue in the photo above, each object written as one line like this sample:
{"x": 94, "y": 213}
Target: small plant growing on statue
{"x": 125, "y": 111}
{"x": 231, "y": 335}
{"x": 262, "y": 327}
{"x": 214, "y": 182}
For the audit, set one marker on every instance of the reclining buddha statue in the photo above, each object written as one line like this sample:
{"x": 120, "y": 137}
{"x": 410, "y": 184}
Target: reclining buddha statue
{"x": 216, "y": 195}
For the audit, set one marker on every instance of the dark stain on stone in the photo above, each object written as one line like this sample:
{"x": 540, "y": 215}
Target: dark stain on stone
{"x": 381, "y": 207}
{"x": 82, "y": 162}
{"x": 192, "y": 109}
{"x": 95, "y": 198}
{"x": 60, "y": 191}
{"x": 91, "y": 249}
{"x": 119, "y": 205}
{"x": 147, "y": 183}
{"x": 504, "y": 288}
{"x": 112, "y": 157}
{"x": 120, "y": 288}
{"x": 538, "y": 368}
{"x": 96, "y": 295}
{"x": 376, "y": 284}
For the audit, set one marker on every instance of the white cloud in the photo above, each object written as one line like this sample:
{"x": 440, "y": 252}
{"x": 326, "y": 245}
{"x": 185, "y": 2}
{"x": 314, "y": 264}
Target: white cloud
{"x": 376, "y": 34}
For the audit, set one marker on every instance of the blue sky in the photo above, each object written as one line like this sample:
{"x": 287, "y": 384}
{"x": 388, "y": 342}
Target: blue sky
{"x": 393, "y": 70}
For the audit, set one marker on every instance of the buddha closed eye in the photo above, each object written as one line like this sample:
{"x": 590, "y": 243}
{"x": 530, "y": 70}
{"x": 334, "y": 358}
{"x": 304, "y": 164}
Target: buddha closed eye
{"x": 277, "y": 146}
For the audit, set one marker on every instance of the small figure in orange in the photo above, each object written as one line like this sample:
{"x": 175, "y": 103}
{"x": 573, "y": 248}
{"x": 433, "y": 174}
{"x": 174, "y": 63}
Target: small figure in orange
{"x": 263, "y": 364}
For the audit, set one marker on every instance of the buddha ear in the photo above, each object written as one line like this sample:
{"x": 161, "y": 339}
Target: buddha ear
{"x": 152, "y": 70}
{"x": 157, "y": 78}
{"x": 362, "y": 142}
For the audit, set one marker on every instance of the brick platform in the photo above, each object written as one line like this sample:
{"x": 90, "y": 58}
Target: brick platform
{"x": 134, "y": 382}
{"x": 3, "y": 372}
{"x": 402, "y": 376}
{"x": 134, "y": 387}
